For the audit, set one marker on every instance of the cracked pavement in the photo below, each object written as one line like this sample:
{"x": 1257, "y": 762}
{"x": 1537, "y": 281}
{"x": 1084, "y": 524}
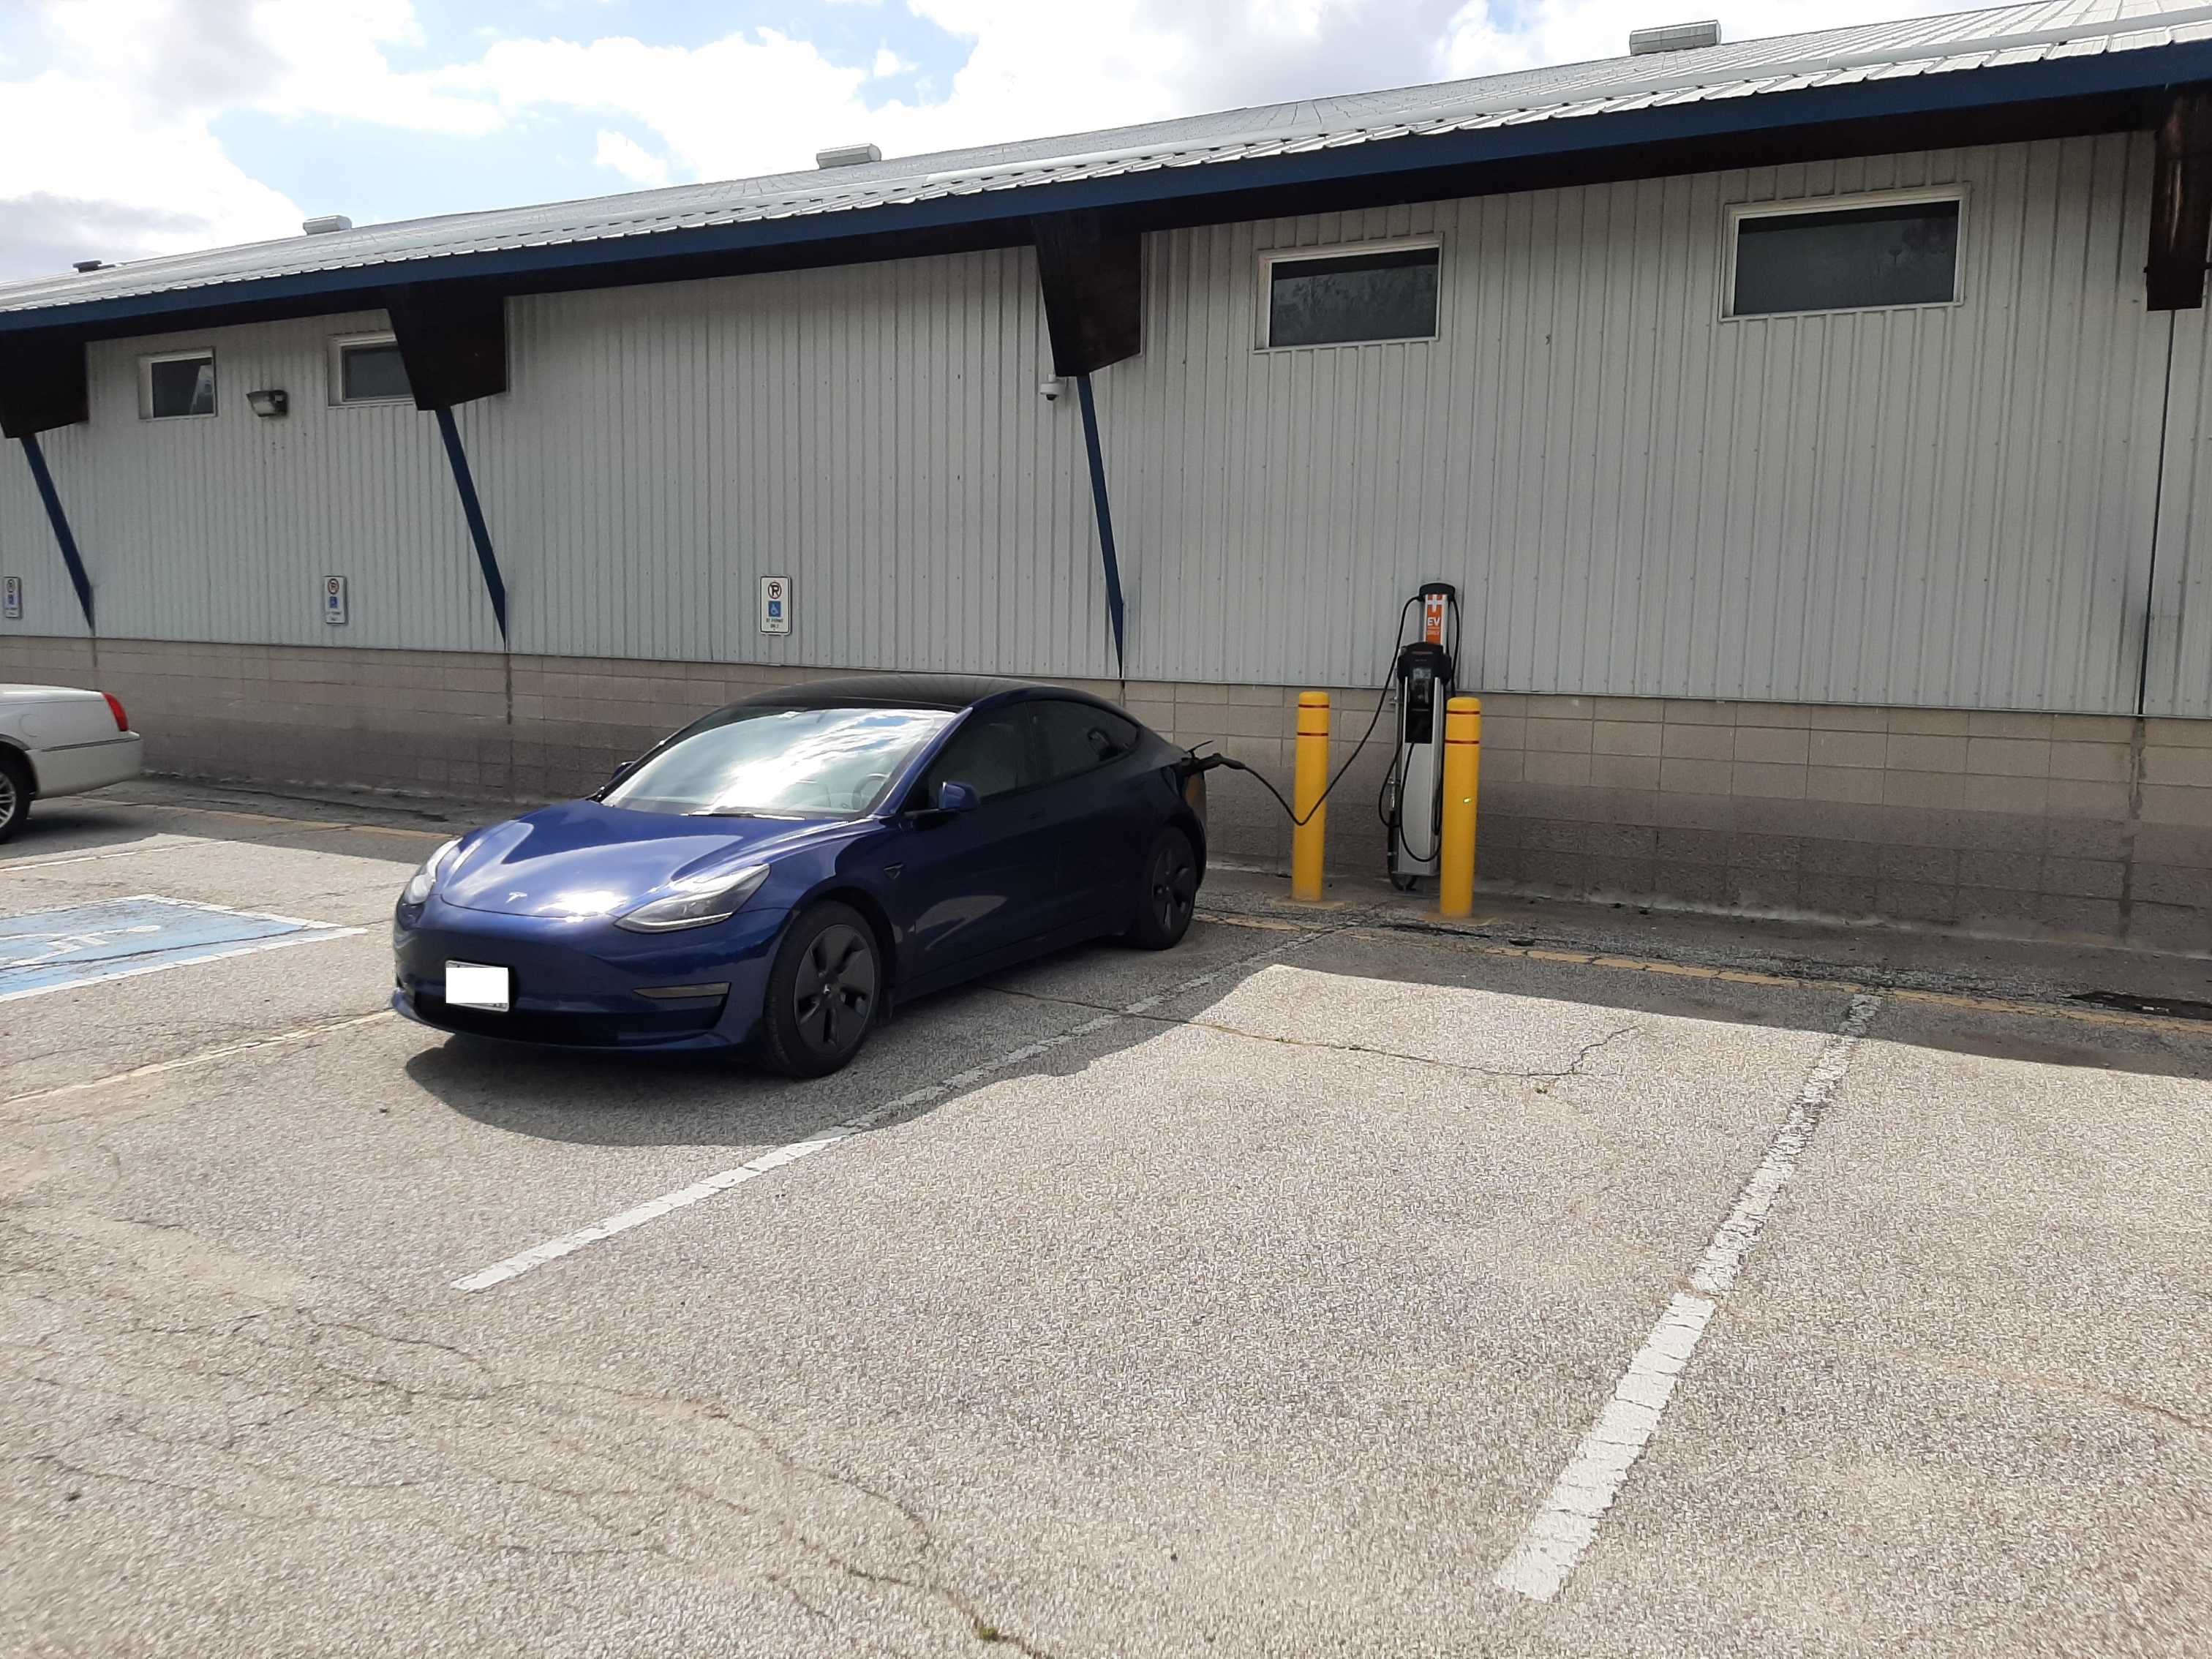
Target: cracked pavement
{"x": 1255, "y": 1323}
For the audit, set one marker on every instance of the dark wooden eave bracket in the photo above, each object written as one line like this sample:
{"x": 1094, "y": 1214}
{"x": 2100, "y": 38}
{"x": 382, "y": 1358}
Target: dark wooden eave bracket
{"x": 42, "y": 386}
{"x": 452, "y": 338}
{"x": 1093, "y": 279}
{"x": 2181, "y": 202}
{"x": 42, "y": 381}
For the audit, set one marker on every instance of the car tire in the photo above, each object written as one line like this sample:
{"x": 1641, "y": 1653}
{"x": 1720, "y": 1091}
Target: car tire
{"x": 1166, "y": 893}
{"x": 824, "y": 991}
{"x": 17, "y": 789}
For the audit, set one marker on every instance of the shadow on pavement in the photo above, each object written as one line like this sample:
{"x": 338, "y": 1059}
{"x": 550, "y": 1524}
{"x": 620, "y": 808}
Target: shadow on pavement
{"x": 711, "y": 1100}
{"x": 646, "y": 1100}
{"x": 57, "y": 828}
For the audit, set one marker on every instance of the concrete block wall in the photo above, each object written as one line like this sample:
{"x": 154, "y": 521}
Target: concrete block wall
{"x": 2085, "y": 826}
{"x": 2082, "y": 826}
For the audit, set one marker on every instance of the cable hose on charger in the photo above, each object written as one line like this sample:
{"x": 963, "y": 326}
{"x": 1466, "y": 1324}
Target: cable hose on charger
{"x": 1207, "y": 762}
{"x": 1394, "y": 829}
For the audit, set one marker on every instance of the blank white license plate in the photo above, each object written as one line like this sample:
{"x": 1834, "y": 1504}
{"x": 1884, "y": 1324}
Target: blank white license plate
{"x": 473, "y": 985}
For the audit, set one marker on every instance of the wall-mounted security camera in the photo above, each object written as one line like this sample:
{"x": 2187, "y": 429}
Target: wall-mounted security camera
{"x": 1051, "y": 390}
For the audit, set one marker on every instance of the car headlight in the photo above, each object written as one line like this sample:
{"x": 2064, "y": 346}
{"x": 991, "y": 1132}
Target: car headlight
{"x": 424, "y": 880}
{"x": 696, "y": 902}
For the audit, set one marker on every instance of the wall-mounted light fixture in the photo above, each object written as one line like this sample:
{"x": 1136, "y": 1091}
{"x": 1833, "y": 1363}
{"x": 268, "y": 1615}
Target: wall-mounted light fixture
{"x": 269, "y": 404}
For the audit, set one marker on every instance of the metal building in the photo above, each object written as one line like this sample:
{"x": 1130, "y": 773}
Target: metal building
{"x": 1813, "y": 428}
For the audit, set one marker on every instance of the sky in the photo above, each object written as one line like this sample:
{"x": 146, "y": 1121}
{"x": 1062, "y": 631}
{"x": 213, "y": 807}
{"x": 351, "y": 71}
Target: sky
{"x": 134, "y": 127}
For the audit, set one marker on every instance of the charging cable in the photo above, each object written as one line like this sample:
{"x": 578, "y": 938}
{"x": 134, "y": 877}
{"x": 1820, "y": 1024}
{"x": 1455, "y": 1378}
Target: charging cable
{"x": 1198, "y": 763}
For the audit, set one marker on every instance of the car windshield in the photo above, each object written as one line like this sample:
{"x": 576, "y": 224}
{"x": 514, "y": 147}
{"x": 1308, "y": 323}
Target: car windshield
{"x": 781, "y": 763}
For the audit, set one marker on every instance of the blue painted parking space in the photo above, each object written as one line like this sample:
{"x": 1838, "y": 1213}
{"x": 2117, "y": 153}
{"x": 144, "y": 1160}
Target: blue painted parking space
{"x": 117, "y": 939}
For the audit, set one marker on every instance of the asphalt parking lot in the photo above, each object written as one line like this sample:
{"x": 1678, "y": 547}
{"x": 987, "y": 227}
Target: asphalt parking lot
{"x": 1336, "y": 1282}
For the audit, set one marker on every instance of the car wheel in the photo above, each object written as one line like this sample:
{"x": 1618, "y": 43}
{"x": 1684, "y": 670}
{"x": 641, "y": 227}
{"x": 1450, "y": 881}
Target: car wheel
{"x": 1165, "y": 893}
{"x": 822, "y": 992}
{"x": 15, "y": 790}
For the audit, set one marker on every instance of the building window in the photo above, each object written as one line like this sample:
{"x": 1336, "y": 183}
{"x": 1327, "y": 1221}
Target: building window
{"x": 1367, "y": 294}
{"x": 367, "y": 368}
{"x": 177, "y": 383}
{"x": 1866, "y": 256}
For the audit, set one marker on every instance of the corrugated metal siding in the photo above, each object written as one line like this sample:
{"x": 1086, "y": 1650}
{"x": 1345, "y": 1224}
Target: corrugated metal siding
{"x": 1947, "y": 507}
{"x": 223, "y": 528}
{"x": 874, "y": 433}
{"x": 2179, "y": 681}
{"x": 1944, "y": 507}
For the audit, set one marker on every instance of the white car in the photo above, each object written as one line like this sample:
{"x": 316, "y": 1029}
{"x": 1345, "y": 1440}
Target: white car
{"x": 56, "y": 740}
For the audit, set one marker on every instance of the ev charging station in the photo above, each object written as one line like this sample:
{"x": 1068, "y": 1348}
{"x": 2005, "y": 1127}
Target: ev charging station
{"x": 1411, "y": 803}
{"x": 1412, "y": 791}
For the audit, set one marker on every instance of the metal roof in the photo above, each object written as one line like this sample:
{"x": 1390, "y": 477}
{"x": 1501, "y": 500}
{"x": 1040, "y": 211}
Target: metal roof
{"x": 2052, "y": 49}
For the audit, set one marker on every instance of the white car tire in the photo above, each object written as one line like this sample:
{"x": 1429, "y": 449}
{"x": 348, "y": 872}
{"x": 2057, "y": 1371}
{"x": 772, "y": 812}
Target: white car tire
{"x": 17, "y": 788}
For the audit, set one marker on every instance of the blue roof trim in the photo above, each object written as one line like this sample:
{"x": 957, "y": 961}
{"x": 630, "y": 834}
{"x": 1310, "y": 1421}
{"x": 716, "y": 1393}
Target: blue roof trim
{"x": 2139, "y": 70}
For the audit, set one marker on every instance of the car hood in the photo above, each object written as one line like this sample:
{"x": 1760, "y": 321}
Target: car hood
{"x": 586, "y": 859}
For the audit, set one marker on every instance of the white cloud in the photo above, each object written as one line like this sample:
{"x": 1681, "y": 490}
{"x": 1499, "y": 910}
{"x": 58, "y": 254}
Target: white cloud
{"x": 333, "y": 63}
{"x": 737, "y": 105}
{"x": 630, "y": 159}
{"x": 199, "y": 56}
{"x": 765, "y": 102}
{"x": 1037, "y": 69}
{"x": 126, "y": 183}
{"x": 108, "y": 153}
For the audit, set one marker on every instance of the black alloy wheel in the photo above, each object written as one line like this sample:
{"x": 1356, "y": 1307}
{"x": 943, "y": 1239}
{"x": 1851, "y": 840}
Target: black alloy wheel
{"x": 1166, "y": 893}
{"x": 16, "y": 791}
{"x": 822, "y": 993}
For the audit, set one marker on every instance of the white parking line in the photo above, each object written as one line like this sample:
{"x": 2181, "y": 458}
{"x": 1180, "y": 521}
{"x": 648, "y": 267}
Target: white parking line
{"x": 554, "y": 1249}
{"x": 201, "y": 1058}
{"x": 1568, "y": 1521}
{"x": 9, "y": 867}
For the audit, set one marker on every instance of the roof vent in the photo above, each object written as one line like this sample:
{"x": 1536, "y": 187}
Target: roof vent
{"x": 89, "y": 265}
{"x": 1673, "y": 37}
{"x": 323, "y": 224}
{"x": 848, "y": 155}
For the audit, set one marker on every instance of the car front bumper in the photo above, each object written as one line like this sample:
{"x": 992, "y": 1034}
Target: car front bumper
{"x": 581, "y": 984}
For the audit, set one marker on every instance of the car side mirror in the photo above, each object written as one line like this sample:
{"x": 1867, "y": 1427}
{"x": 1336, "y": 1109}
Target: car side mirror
{"x": 614, "y": 778}
{"x": 958, "y": 798}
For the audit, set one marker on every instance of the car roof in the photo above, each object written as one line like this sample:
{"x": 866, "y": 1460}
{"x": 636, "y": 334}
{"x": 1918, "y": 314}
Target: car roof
{"x": 953, "y": 692}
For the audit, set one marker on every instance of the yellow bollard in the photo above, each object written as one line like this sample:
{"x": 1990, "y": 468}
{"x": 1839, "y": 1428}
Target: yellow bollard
{"x": 1462, "y": 777}
{"x": 1310, "y": 784}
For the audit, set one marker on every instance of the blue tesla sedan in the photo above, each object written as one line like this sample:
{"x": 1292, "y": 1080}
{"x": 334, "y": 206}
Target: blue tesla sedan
{"x": 776, "y": 876}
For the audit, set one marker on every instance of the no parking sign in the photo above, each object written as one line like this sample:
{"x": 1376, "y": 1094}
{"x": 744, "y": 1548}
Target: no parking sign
{"x": 775, "y": 605}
